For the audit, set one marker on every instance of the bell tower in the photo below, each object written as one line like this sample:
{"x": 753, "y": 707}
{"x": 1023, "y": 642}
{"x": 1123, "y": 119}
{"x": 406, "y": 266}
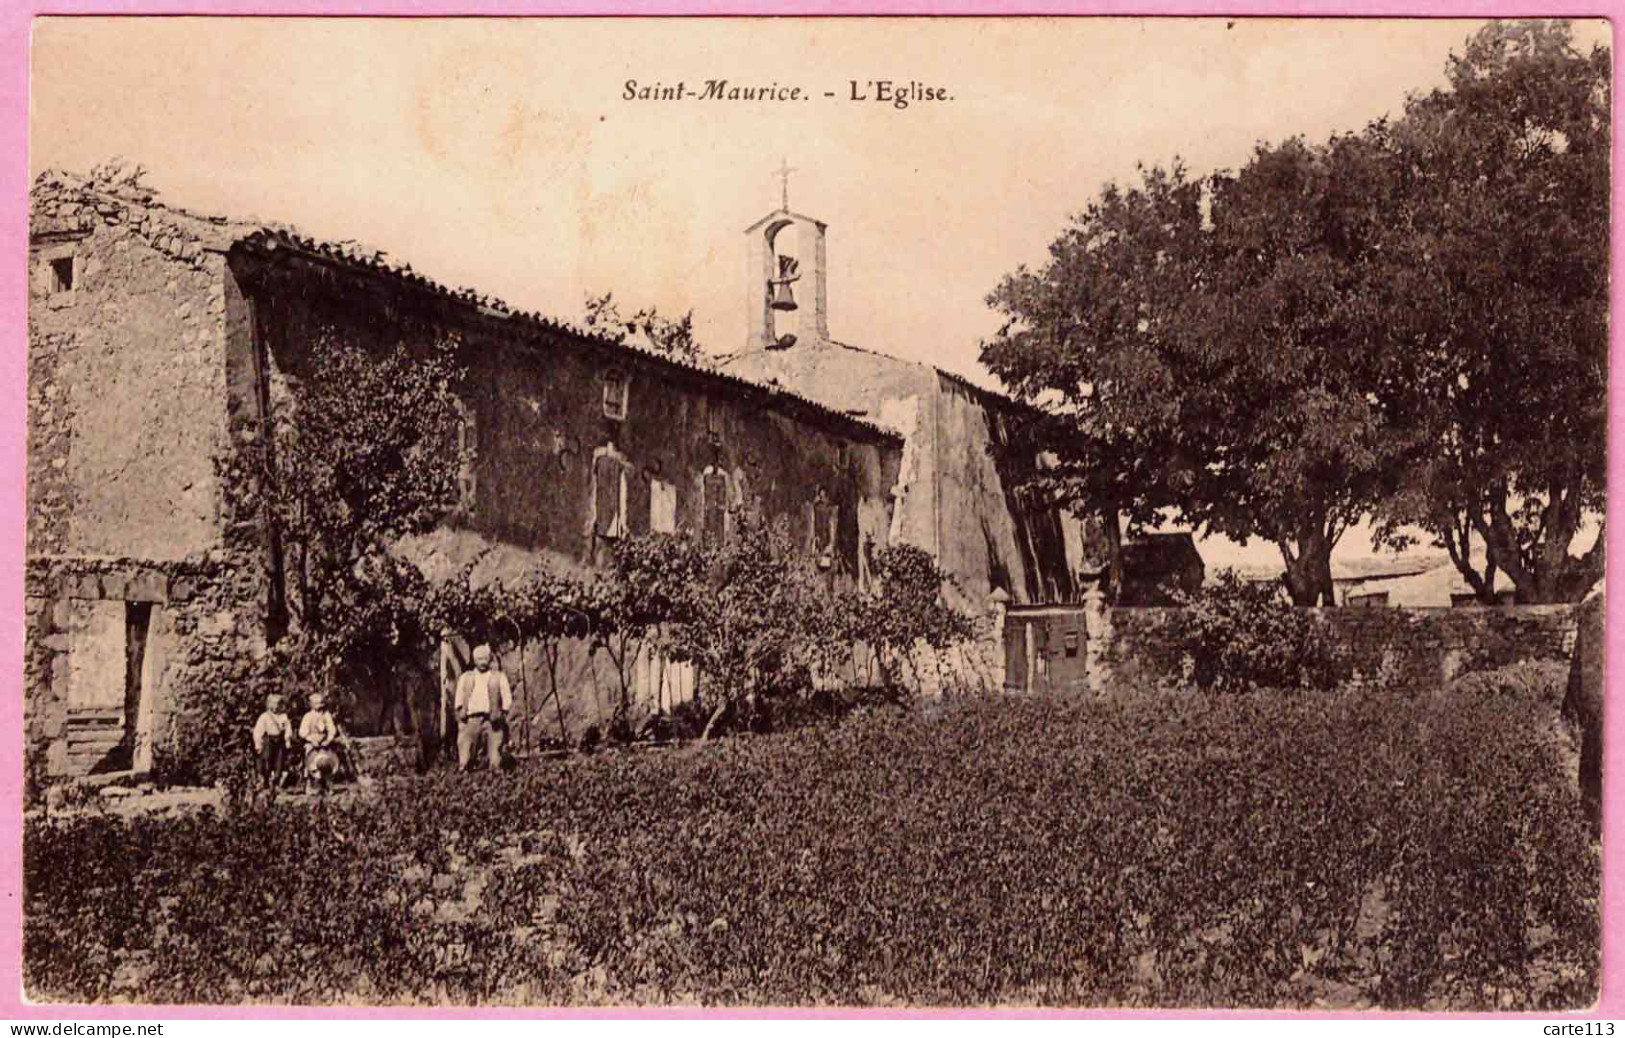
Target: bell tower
{"x": 773, "y": 278}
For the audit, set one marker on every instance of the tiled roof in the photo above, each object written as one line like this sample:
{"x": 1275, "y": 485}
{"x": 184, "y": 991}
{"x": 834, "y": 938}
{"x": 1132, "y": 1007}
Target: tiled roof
{"x": 356, "y": 258}
{"x": 224, "y": 233}
{"x": 1003, "y": 399}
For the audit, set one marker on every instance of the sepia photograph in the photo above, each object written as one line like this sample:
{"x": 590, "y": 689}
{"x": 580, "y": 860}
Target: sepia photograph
{"x": 848, "y": 513}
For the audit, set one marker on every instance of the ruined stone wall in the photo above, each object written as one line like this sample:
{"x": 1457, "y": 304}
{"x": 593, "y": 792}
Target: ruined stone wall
{"x": 992, "y": 536}
{"x": 126, "y": 377}
{"x": 141, "y": 591}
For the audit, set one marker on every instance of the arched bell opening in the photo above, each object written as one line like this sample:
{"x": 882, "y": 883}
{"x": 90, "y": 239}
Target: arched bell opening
{"x": 786, "y": 285}
{"x": 786, "y": 281}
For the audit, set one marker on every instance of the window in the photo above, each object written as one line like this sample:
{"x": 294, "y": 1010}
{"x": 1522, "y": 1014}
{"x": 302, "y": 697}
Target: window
{"x": 714, "y": 486}
{"x": 823, "y": 527}
{"x": 62, "y": 275}
{"x": 609, "y": 496}
{"x": 713, "y": 424}
{"x": 843, "y": 457}
{"x": 615, "y": 396}
{"x": 662, "y": 506}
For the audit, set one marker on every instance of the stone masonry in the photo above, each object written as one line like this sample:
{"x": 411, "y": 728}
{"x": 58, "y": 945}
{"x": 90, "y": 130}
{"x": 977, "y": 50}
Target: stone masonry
{"x": 144, "y": 587}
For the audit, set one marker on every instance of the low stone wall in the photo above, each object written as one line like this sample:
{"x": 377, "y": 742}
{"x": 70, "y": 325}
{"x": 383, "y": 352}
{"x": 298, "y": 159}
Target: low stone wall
{"x": 1404, "y": 648}
{"x": 112, "y": 643}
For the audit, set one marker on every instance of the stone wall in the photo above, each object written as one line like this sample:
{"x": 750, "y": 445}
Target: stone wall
{"x": 962, "y": 460}
{"x": 142, "y": 589}
{"x": 1404, "y": 648}
{"x": 126, "y": 319}
{"x": 113, "y": 645}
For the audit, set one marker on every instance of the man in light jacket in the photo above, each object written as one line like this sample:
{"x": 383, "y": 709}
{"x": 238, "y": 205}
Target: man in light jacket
{"x": 483, "y": 701}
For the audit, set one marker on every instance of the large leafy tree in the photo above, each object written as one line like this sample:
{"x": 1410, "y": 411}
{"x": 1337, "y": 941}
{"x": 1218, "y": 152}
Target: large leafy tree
{"x": 1208, "y": 350}
{"x": 1084, "y": 340}
{"x": 1498, "y": 248}
{"x": 1409, "y": 321}
{"x": 366, "y": 453}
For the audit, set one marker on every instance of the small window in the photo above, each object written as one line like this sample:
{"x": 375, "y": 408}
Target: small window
{"x": 713, "y": 424}
{"x": 62, "y": 275}
{"x": 843, "y": 457}
{"x": 615, "y": 396}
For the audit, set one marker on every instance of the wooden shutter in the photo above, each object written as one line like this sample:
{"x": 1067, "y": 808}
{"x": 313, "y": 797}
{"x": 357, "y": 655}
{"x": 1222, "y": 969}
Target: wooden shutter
{"x": 823, "y": 526}
{"x": 662, "y": 507}
{"x": 607, "y": 473}
{"x": 716, "y": 506}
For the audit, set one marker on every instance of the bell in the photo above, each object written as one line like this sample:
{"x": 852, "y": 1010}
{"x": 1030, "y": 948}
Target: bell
{"x": 783, "y": 299}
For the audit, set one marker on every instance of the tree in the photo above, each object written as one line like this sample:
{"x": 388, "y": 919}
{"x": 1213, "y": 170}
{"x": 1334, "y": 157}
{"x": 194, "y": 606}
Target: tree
{"x": 652, "y": 585}
{"x": 752, "y": 622}
{"x": 1078, "y": 342}
{"x": 553, "y": 608}
{"x": 365, "y": 454}
{"x": 362, "y": 452}
{"x": 1208, "y": 349}
{"x": 1240, "y": 636}
{"x": 673, "y": 336}
{"x": 1409, "y": 321}
{"x": 904, "y": 610}
{"x": 1498, "y": 250}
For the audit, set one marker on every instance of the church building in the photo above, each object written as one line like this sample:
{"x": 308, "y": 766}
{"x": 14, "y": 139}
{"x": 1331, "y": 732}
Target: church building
{"x": 159, "y": 339}
{"x": 962, "y": 458}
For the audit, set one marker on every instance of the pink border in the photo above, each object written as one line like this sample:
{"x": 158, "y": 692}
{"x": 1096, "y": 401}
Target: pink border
{"x": 15, "y": 19}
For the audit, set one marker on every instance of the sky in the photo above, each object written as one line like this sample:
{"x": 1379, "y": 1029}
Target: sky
{"x": 503, "y": 155}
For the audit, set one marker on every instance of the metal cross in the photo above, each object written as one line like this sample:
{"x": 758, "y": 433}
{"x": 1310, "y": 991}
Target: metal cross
{"x": 783, "y": 173}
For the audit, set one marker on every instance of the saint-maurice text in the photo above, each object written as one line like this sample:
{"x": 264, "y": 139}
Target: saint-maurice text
{"x": 893, "y": 92}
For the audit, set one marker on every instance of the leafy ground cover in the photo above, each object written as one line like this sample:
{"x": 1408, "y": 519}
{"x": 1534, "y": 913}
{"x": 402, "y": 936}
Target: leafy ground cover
{"x": 1245, "y": 850}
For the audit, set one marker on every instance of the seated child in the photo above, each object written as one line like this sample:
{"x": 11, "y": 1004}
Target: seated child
{"x": 273, "y": 737}
{"x": 320, "y": 734}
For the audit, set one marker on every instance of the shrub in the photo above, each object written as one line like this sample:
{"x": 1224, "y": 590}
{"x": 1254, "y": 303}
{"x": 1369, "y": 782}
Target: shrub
{"x": 1243, "y": 850}
{"x": 1538, "y": 681}
{"x": 1242, "y": 635}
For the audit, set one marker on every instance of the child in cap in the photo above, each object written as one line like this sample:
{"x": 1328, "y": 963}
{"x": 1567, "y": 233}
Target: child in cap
{"x": 273, "y": 736}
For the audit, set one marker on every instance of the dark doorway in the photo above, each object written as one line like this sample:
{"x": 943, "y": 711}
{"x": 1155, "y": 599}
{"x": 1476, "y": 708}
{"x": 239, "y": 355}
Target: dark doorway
{"x": 137, "y": 622}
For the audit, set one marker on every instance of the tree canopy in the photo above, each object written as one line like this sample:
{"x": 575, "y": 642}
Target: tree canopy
{"x": 1407, "y": 321}
{"x": 673, "y": 336}
{"x": 366, "y": 453}
{"x": 1498, "y": 252}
